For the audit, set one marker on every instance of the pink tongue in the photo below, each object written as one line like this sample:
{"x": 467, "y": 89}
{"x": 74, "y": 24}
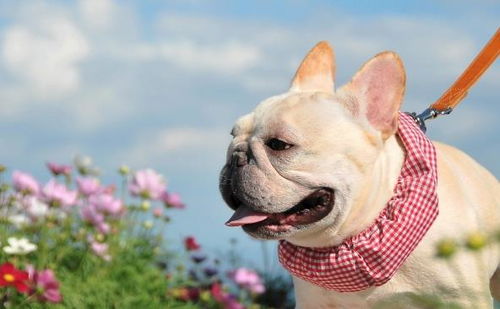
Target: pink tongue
{"x": 243, "y": 215}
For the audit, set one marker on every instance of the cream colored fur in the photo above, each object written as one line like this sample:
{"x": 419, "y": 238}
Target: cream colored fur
{"x": 343, "y": 143}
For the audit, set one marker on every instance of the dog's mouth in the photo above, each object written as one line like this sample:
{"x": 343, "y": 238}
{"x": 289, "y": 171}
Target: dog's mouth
{"x": 312, "y": 208}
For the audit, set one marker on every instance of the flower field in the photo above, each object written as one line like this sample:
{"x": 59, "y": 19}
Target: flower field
{"x": 75, "y": 242}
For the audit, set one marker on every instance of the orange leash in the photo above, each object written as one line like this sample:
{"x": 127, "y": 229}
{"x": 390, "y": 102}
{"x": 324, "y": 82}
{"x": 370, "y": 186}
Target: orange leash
{"x": 457, "y": 92}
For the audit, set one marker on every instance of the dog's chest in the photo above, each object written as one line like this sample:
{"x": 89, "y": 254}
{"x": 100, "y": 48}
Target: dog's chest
{"x": 308, "y": 295}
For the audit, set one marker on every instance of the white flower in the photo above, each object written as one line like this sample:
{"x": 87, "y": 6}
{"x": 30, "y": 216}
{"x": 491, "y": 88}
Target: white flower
{"x": 19, "y": 246}
{"x": 84, "y": 165}
{"x": 19, "y": 220}
{"x": 82, "y": 161}
{"x": 36, "y": 209}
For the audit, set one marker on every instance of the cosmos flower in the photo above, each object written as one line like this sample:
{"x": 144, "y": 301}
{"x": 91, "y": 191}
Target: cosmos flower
{"x": 59, "y": 169}
{"x": 19, "y": 220}
{"x": 158, "y": 212}
{"x": 191, "y": 244}
{"x": 147, "y": 184}
{"x": 25, "y": 183}
{"x": 35, "y": 208}
{"x": 84, "y": 165}
{"x": 11, "y": 276}
{"x": 210, "y": 271}
{"x": 229, "y": 301}
{"x": 107, "y": 204}
{"x": 198, "y": 258}
{"x": 91, "y": 215}
{"x": 44, "y": 284}
{"x": 88, "y": 185}
{"x": 56, "y": 194}
{"x": 19, "y": 246}
{"x": 172, "y": 200}
{"x": 101, "y": 250}
{"x": 247, "y": 279}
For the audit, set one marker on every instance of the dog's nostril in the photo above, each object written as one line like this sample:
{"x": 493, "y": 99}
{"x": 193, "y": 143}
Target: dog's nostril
{"x": 239, "y": 158}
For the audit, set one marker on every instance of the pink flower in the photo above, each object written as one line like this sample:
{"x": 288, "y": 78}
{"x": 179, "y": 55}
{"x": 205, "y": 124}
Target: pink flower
{"x": 227, "y": 300}
{"x": 44, "y": 284}
{"x": 107, "y": 204}
{"x": 25, "y": 183}
{"x": 88, "y": 185}
{"x": 147, "y": 184}
{"x": 172, "y": 200}
{"x": 158, "y": 212}
{"x": 247, "y": 279}
{"x": 101, "y": 250}
{"x": 56, "y": 194}
{"x": 91, "y": 215}
{"x": 59, "y": 169}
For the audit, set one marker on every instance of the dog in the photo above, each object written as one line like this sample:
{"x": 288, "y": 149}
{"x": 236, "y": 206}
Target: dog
{"x": 315, "y": 166}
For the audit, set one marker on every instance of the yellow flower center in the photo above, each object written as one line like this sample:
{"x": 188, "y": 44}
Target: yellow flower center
{"x": 8, "y": 277}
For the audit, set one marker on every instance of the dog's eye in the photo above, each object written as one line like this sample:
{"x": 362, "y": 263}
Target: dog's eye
{"x": 276, "y": 144}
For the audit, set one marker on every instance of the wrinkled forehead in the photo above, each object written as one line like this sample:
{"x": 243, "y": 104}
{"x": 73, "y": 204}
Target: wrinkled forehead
{"x": 301, "y": 109}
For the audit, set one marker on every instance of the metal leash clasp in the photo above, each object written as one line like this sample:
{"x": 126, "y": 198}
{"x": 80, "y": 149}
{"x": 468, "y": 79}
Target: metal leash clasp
{"x": 429, "y": 113}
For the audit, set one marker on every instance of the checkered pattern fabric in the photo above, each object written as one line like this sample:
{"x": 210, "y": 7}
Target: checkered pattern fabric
{"x": 372, "y": 257}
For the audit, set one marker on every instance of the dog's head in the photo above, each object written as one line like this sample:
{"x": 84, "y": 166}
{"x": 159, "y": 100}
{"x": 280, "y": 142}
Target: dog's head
{"x": 296, "y": 164}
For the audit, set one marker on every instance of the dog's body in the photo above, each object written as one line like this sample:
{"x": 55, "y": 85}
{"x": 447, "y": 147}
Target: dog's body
{"x": 337, "y": 154}
{"x": 469, "y": 201}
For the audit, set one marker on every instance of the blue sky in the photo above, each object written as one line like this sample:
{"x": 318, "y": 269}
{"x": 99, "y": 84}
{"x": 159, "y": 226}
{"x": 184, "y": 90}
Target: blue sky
{"x": 159, "y": 83}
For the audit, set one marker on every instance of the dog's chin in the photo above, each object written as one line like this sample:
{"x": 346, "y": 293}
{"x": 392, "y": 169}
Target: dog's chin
{"x": 310, "y": 210}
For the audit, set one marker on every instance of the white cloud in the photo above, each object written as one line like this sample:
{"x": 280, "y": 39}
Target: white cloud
{"x": 185, "y": 139}
{"x": 223, "y": 57}
{"x": 45, "y": 56}
{"x": 178, "y": 145}
{"x": 98, "y": 14}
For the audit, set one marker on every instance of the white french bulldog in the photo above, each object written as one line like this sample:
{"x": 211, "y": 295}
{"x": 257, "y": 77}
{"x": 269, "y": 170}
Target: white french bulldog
{"x": 316, "y": 165}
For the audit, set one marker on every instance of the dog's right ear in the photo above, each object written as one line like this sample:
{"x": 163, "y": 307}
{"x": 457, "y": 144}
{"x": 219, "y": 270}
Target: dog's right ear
{"x": 317, "y": 70}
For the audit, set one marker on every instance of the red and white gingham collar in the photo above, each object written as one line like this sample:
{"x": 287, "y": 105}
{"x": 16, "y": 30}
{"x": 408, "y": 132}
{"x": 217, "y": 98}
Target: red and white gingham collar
{"x": 373, "y": 256}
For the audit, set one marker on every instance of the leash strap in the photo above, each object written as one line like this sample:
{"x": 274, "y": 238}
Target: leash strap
{"x": 458, "y": 91}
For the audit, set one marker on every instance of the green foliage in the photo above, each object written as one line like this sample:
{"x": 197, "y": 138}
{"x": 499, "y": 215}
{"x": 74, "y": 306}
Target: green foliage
{"x": 108, "y": 255}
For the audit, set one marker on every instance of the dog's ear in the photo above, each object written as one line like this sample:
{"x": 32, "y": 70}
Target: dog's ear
{"x": 317, "y": 70}
{"x": 379, "y": 88}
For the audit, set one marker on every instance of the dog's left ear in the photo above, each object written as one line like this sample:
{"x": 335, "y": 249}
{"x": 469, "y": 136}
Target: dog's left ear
{"x": 317, "y": 70}
{"x": 379, "y": 88}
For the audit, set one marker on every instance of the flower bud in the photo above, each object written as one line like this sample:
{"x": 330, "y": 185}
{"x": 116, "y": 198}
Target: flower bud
{"x": 205, "y": 296}
{"x": 476, "y": 241}
{"x": 99, "y": 237}
{"x": 147, "y": 225}
{"x": 124, "y": 170}
{"x": 4, "y": 188}
{"x": 446, "y": 248}
{"x": 145, "y": 205}
{"x": 156, "y": 250}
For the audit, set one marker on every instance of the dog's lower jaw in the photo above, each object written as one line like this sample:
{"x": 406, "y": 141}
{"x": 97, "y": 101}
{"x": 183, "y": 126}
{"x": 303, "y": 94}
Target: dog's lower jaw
{"x": 370, "y": 198}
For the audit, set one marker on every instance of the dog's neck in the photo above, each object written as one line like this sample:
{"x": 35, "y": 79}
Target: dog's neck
{"x": 373, "y": 194}
{"x": 376, "y": 190}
